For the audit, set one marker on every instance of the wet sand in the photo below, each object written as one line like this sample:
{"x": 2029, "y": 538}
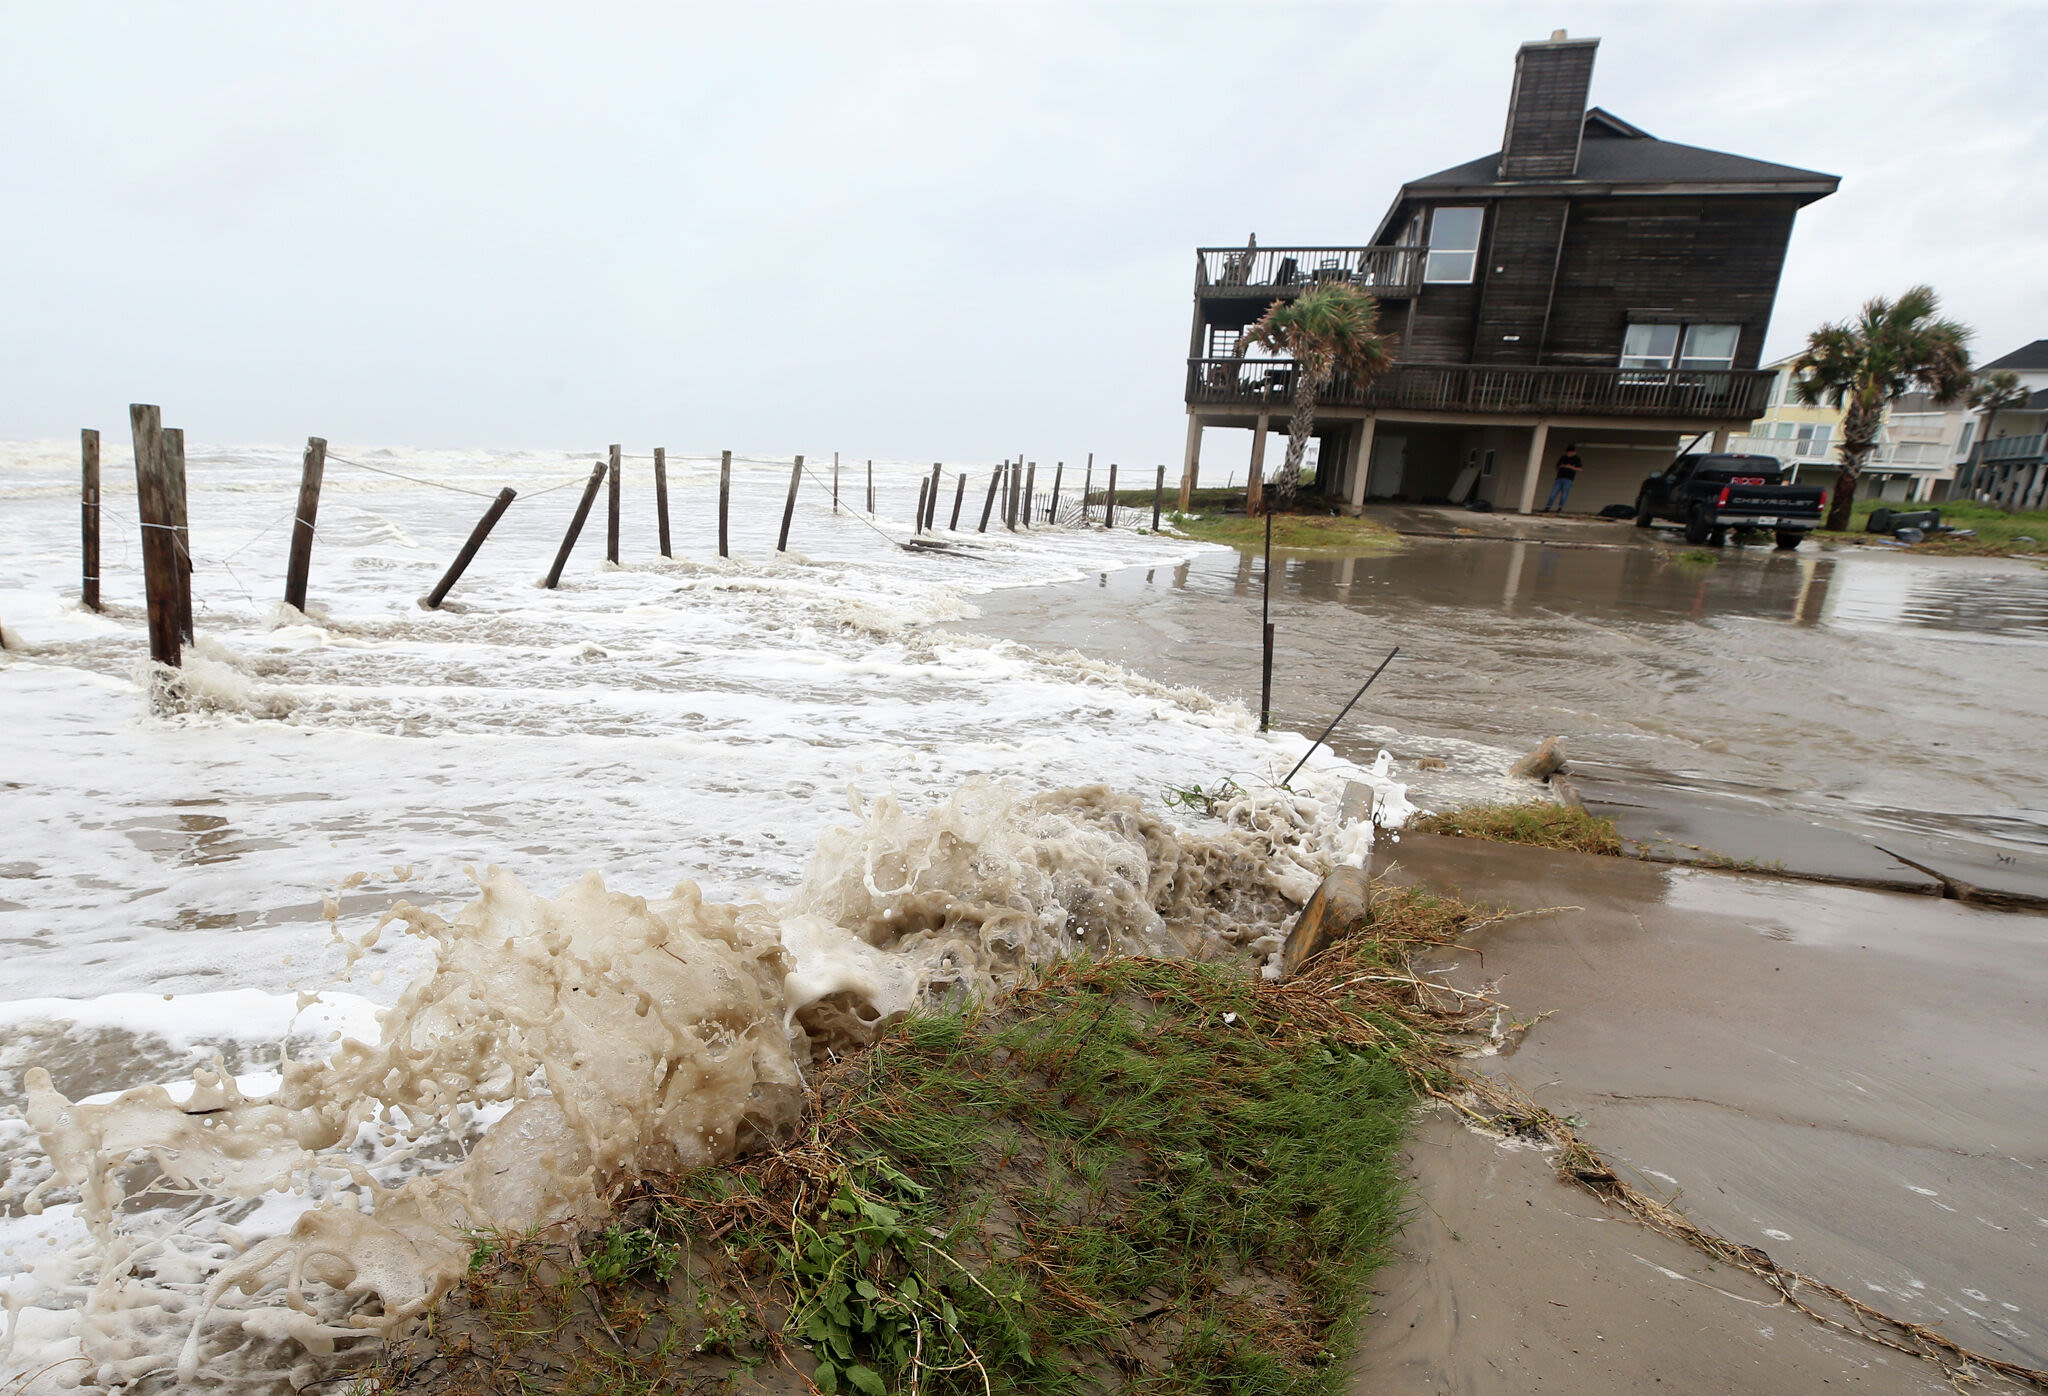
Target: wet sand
{"x": 1855, "y": 1082}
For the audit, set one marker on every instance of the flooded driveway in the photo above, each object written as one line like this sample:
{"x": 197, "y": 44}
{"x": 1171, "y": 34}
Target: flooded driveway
{"x": 1901, "y": 700}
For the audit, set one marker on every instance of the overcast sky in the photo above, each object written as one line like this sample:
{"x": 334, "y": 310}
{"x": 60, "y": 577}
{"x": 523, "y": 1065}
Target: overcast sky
{"x": 952, "y": 231}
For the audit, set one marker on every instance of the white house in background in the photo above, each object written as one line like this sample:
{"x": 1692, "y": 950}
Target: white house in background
{"x": 2015, "y": 457}
{"x": 1920, "y": 446}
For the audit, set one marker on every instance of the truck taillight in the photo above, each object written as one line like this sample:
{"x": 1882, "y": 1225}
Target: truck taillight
{"x": 1722, "y": 502}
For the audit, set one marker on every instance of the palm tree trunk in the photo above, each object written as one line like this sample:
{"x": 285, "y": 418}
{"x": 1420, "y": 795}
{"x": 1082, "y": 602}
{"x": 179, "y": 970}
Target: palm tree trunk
{"x": 1859, "y": 437}
{"x": 1310, "y": 380}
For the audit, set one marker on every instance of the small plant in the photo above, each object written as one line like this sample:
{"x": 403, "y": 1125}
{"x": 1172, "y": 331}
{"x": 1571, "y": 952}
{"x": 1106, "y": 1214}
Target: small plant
{"x": 1698, "y": 557}
{"x": 1194, "y": 797}
{"x": 483, "y": 1250}
{"x": 629, "y": 1253}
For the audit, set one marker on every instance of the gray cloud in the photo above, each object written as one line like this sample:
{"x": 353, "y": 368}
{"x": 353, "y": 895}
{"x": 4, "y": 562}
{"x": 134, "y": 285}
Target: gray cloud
{"x": 932, "y": 231}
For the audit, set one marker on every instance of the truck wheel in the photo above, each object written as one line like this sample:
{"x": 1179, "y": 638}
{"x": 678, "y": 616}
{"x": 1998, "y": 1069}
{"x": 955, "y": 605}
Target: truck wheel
{"x": 1718, "y": 538}
{"x": 1697, "y": 527}
{"x": 1643, "y": 515}
{"x": 1790, "y": 538}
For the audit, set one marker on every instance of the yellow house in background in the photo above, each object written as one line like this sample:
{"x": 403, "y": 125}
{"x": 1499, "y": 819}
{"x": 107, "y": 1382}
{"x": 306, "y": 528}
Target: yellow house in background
{"x": 1919, "y": 444}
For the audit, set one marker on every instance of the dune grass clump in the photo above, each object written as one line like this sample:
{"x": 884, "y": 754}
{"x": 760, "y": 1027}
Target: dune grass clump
{"x": 1136, "y": 1175}
{"x": 1541, "y": 825}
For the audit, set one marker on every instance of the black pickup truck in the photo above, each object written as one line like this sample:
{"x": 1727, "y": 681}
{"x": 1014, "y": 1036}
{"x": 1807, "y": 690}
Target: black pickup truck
{"x": 1711, "y": 494}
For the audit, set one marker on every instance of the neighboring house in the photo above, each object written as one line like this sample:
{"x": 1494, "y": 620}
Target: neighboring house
{"x": 1919, "y": 445}
{"x": 1586, "y": 284}
{"x": 2011, "y": 465}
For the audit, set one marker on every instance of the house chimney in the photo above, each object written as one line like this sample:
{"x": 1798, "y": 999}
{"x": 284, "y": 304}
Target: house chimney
{"x": 1547, "y": 109}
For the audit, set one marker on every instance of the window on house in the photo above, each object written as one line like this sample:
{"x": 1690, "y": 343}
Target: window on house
{"x": 1649, "y": 346}
{"x": 1709, "y": 346}
{"x": 1453, "y": 245}
{"x": 1963, "y": 441}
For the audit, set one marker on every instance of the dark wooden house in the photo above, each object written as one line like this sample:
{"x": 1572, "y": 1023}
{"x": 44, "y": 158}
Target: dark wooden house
{"x": 1587, "y": 283}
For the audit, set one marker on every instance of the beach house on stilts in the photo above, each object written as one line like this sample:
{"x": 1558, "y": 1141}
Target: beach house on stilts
{"x": 1587, "y": 283}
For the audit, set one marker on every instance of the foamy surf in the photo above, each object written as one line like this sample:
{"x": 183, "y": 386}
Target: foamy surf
{"x": 252, "y": 1228}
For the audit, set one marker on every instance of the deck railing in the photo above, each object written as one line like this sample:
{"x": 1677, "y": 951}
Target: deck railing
{"x": 1890, "y": 455}
{"x": 1232, "y": 271}
{"x": 2006, "y": 449}
{"x": 1269, "y": 384}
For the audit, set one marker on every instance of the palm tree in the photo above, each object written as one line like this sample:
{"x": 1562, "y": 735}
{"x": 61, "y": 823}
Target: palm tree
{"x": 1333, "y": 326}
{"x": 1993, "y": 394}
{"x": 1864, "y": 365}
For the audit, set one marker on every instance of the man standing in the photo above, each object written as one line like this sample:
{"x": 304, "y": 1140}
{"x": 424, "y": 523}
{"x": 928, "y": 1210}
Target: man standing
{"x": 1568, "y": 467}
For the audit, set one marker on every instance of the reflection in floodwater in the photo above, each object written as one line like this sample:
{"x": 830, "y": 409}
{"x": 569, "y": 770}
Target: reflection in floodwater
{"x": 1862, "y": 689}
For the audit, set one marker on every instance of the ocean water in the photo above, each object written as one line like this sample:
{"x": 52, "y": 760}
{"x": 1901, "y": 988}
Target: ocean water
{"x": 204, "y": 880}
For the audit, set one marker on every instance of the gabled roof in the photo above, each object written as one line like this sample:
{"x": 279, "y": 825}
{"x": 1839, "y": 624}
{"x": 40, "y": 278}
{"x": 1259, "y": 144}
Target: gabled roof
{"x": 2034, "y": 356}
{"x": 1602, "y": 122}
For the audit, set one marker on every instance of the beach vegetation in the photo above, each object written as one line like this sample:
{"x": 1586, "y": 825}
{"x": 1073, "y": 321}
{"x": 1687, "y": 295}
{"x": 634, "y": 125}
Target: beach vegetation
{"x": 1993, "y": 531}
{"x": 1540, "y": 824}
{"x": 1332, "y": 533}
{"x": 1330, "y": 328}
{"x": 1863, "y": 365}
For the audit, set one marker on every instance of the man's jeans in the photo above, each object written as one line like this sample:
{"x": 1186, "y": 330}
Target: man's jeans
{"x": 1559, "y": 492}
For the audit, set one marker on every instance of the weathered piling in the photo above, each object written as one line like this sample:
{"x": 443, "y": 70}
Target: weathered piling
{"x": 1016, "y": 490}
{"x": 924, "y": 488}
{"x": 835, "y": 482}
{"x": 159, "y": 534}
{"x": 796, "y": 477}
{"x": 871, "y": 487}
{"x": 1030, "y": 490}
{"x": 173, "y": 448}
{"x": 1109, "y": 509}
{"x": 576, "y": 525}
{"x": 725, "y": 497}
{"x": 1052, "y": 510}
{"x": 661, "y": 496}
{"x": 931, "y": 508}
{"x": 299, "y": 567}
{"x": 959, "y": 494}
{"x": 89, "y": 519}
{"x": 1087, "y": 488}
{"x": 476, "y": 538}
{"x": 1158, "y": 489}
{"x": 611, "y": 510}
{"x": 995, "y": 478}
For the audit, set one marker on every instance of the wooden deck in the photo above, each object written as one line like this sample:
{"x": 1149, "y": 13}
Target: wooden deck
{"x": 1268, "y": 385}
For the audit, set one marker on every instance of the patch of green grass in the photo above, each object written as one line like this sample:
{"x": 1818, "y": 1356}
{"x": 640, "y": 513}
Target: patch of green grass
{"x": 1295, "y": 532}
{"x": 1698, "y": 557}
{"x": 1137, "y": 1175}
{"x": 1539, "y": 824}
{"x": 1997, "y": 531}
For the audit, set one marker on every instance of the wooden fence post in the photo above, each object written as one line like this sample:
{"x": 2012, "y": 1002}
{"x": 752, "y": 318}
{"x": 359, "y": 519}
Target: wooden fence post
{"x": 477, "y": 535}
{"x": 1030, "y": 490}
{"x": 931, "y": 508}
{"x": 871, "y": 488}
{"x": 835, "y": 482}
{"x": 796, "y": 476}
{"x": 89, "y": 519}
{"x": 1052, "y": 510}
{"x": 159, "y": 540}
{"x": 995, "y": 478}
{"x": 1087, "y": 488}
{"x": 299, "y": 567}
{"x": 1109, "y": 513}
{"x": 611, "y": 511}
{"x": 959, "y": 494}
{"x": 1016, "y": 490}
{"x": 924, "y": 489}
{"x": 724, "y": 496}
{"x": 1158, "y": 489}
{"x": 661, "y": 496}
{"x": 576, "y": 524}
{"x": 172, "y": 441}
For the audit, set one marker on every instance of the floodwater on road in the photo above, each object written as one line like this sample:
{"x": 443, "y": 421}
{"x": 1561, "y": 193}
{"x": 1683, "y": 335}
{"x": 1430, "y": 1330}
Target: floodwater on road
{"x": 1858, "y": 689}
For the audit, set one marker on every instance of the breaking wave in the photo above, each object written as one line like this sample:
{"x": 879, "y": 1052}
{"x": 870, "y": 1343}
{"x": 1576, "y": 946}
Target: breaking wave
{"x": 246, "y": 1230}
